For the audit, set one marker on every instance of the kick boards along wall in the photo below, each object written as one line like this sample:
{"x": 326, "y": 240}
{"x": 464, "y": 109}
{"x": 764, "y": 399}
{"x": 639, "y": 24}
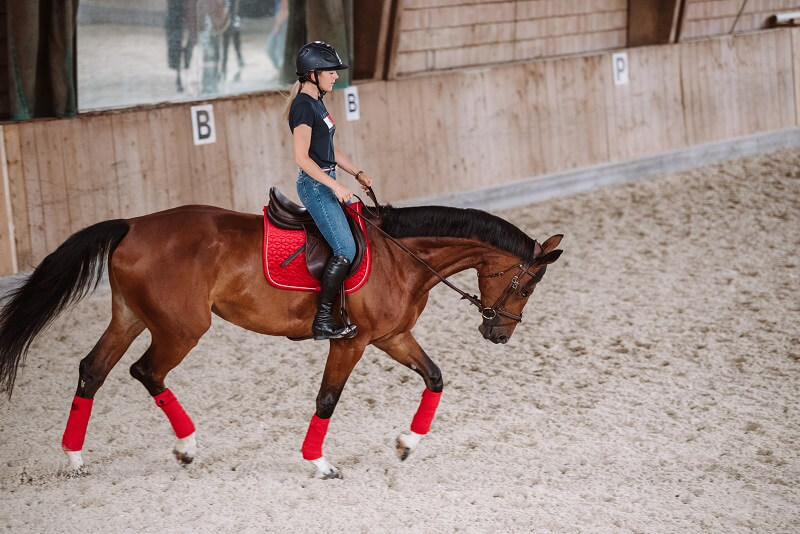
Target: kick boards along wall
{"x": 418, "y": 137}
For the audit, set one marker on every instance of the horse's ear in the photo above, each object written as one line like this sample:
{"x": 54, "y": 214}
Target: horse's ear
{"x": 551, "y": 243}
{"x": 548, "y": 258}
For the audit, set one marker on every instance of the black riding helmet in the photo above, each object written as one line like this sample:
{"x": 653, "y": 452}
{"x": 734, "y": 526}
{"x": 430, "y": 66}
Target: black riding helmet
{"x": 314, "y": 57}
{"x": 318, "y": 55}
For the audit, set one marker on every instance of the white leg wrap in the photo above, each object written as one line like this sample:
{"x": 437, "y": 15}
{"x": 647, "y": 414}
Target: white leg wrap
{"x": 75, "y": 460}
{"x": 325, "y": 469}
{"x": 407, "y": 442}
{"x": 186, "y": 448}
{"x": 411, "y": 439}
{"x": 187, "y": 445}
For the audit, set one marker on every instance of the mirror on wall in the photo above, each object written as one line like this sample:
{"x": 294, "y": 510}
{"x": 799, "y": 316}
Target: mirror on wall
{"x": 152, "y": 51}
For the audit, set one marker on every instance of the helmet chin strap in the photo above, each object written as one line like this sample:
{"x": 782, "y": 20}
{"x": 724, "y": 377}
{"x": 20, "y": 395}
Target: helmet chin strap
{"x": 307, "y": 78}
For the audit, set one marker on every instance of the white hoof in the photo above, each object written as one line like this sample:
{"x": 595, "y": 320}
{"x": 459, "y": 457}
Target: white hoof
{"x": 406, "y": 442}
{"x": 325, "y": 470}
{"x": 75, "y": 460}
{"x": 186, "y": 449}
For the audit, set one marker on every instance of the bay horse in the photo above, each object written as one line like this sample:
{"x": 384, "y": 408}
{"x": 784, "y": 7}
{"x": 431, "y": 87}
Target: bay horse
{"x": 170, "y": 271}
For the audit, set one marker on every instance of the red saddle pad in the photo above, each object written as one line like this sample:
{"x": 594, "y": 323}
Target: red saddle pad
{"x": 279, "y": 244}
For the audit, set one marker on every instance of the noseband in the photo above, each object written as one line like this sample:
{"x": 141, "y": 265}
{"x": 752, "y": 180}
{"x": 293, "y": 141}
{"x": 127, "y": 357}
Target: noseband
{"x": 489, "y": 313}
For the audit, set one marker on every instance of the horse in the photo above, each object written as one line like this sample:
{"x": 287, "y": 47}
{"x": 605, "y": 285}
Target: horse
{"x": 170, "y": 271}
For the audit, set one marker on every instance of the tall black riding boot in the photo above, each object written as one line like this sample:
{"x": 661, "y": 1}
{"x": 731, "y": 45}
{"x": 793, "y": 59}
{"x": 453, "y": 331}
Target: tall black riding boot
{"x": 324, "y": 326}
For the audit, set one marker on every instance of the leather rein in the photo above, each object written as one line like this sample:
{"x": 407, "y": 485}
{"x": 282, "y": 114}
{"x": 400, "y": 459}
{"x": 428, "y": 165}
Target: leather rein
{"x": 489, "y": 313}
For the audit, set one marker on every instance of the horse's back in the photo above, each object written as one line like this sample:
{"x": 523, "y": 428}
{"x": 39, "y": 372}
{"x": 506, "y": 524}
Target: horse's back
{"x": 192, "y": 260}
{"x": 188, "y": 241}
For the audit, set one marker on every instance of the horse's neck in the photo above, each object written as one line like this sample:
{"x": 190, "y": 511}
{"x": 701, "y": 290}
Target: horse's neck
{"x": 447, "y": 256}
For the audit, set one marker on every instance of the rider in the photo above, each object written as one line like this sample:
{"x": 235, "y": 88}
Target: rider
{"x": 312, "y": 133}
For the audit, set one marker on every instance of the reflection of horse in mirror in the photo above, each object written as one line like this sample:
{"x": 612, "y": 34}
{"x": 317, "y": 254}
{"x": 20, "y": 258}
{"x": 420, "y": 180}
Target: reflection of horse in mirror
{"x": 170, "y": 271}
{"x": 212, "y": 23}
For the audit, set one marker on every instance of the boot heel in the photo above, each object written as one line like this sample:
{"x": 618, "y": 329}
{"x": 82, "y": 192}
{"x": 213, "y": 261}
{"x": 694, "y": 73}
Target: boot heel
{"x": 347, "y": 332}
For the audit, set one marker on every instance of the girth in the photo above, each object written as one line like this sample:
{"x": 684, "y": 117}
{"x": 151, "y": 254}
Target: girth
{"x": 286, "y": 214}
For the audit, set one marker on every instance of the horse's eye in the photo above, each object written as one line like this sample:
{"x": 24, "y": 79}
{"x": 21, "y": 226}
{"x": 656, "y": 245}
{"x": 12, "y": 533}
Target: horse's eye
{"x": 524, "y": 293}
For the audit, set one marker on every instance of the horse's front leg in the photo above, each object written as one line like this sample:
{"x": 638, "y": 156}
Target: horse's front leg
{"x": 342, "y": 359}
{"x": 405, "y": 349}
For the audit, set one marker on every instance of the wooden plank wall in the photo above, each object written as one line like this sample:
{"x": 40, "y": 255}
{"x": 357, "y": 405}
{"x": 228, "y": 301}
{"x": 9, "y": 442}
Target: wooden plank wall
{"x": 652, "y": 22}
{"x": 709, "y": 18}
{"x": 67, "y": 174}
{"x": 418, "y": 137}
{"x": 8, "y": 253}
{"x": 795, "y": 33}
{"x": 746, "y": 69}
{"x": 436, "y": 35}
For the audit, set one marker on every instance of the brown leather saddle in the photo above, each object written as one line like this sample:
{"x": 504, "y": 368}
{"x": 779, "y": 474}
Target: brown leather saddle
{"x": 284, "y": 213}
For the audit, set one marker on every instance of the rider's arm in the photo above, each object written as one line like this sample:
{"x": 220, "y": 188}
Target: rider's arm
{"x": 347, "y": 165}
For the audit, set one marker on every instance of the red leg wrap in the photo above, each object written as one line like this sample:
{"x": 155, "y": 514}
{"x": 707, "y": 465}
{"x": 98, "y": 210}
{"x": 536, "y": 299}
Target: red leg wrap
{"x": 312, "y": 445}
{"x": 427, "y": 409}
{"x": 77, "y": 423}
{"x": 181, "y": 423}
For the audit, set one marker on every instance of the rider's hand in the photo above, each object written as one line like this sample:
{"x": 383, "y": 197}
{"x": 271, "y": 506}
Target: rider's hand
{"x": 343, "y": 194}
{"x": 364, "y": 180}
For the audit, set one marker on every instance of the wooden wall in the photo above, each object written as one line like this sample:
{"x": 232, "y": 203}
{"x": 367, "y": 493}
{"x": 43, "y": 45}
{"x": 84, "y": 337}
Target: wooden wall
{"x": 709, "y": 18}
{"x": 653, "y": 21}
{"x": 8, "y": 253}
{"x": 736, "y": 86}
{"x": 69, "y": 173}
{"x": 418, "y": 137}
{"x": 434, "y": 35}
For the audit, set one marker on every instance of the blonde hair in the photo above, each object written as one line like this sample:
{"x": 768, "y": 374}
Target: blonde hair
{"x": 289, "y": 99}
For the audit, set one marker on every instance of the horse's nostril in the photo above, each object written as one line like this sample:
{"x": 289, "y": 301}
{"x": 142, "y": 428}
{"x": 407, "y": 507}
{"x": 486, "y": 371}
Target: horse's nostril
{"x": 502, "y": 339}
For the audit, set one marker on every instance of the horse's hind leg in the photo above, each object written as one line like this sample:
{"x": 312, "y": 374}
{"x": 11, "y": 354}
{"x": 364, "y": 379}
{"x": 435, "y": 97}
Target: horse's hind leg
{"x": 93, "y": 370}
{"x": 405, "y": 349}
{"x": 151, "y": 369}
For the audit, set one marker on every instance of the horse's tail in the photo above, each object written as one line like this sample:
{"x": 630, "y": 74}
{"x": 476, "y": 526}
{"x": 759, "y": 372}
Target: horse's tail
{"x": 63, "y": 278}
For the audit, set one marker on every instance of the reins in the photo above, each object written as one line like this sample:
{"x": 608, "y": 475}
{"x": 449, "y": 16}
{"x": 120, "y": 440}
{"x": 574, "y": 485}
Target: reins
{"x": 489, "y": 313}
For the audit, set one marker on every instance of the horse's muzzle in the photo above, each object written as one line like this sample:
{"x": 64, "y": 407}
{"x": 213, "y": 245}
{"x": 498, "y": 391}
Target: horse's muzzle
{"x": 488, "y": 333}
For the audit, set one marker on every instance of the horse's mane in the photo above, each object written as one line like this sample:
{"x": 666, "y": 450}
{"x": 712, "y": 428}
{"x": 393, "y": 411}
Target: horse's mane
{"x": 443, "y": 221}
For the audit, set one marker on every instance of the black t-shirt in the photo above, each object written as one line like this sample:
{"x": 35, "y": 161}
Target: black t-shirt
{"x": 306, "y": 110}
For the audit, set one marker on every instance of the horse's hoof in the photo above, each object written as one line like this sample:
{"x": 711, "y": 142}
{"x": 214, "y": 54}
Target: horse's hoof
{"x": 402, "y": 450}
{"x": 75, "y": 460}
{"x": 333, "y": 474}
{"x": 326, "y": 470}
{"x": 76, "y": 467}
{"x": 185, "y": 449}
{"x": 182, "y": 458}
{"x": 82, "y": 471}
{"x": 406, "y": 442}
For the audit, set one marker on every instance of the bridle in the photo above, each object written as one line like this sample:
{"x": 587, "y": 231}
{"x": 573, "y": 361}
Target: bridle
{"x": 489, "y": 313}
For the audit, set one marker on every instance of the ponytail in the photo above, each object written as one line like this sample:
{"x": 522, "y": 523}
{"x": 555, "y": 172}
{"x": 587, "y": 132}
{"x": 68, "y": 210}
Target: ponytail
{"x": 289, "y": 99}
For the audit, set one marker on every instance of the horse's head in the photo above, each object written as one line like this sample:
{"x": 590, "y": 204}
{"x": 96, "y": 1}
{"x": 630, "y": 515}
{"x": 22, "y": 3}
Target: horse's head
{"x": 505, "y": 290}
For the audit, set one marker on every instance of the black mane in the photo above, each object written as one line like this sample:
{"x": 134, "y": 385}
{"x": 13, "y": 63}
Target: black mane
{"x": 442, "y": 221}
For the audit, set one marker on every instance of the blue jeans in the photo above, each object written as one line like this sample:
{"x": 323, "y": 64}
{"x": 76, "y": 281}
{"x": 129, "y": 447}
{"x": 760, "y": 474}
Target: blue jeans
{"x": 324, "y": 207}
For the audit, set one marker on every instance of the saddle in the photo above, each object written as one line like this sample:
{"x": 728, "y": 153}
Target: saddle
{"x": 287, "y": 215}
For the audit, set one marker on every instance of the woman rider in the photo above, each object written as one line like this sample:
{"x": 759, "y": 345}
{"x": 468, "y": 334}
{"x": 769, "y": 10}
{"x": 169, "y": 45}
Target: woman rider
{"x": 312, "y": 133}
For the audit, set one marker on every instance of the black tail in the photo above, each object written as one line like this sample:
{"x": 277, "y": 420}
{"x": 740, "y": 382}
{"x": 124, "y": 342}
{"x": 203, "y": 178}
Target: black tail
{"x": 63, "y": 278}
